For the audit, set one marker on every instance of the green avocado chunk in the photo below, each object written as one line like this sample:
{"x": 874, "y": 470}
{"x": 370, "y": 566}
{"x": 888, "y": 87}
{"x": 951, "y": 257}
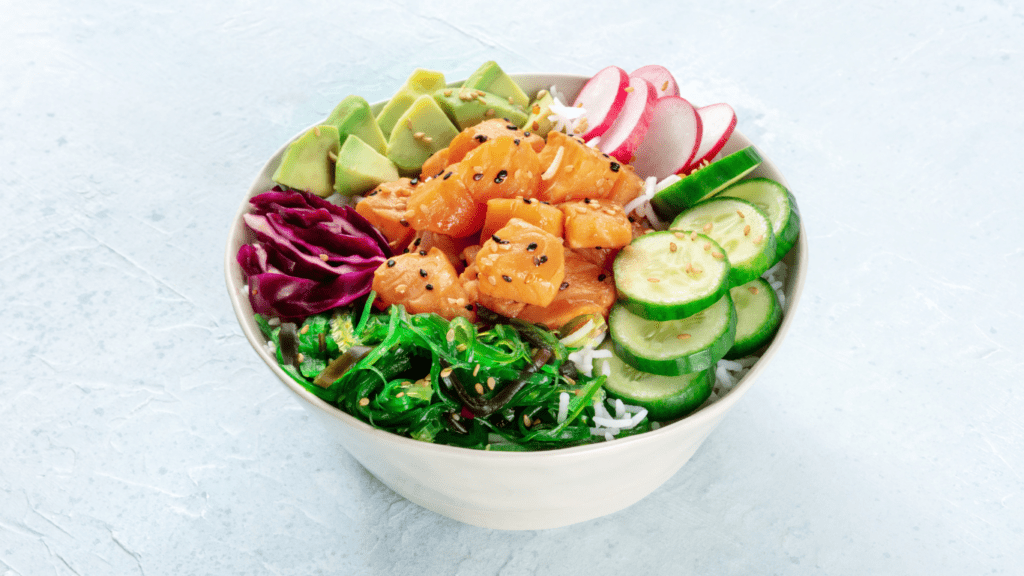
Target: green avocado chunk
{"x": 421, "y": 131}
{"x": 469, "y": 107}
{"x": 491, "y": 78}
{"x": 353, "y": 117}
{"x": 360, "y": 168}
{"x": 540, "y": 109}
{"x": 308, "y": 162}
{"x": 420, "y": 82}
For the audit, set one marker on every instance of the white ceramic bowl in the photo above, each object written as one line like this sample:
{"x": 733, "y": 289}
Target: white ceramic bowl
{"x": 517, "y": 490}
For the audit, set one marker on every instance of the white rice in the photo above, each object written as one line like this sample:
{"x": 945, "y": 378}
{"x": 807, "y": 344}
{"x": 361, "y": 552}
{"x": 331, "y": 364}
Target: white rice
{"x": 563, "y": 406}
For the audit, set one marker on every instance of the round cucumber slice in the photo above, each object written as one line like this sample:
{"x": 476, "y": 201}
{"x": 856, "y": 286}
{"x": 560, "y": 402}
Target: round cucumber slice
{"x": 674, "y": 347}
{"x": 740, "y": 228}
{"x": 777, "y": 203}
{"x": 705, "y": 182}
{"x": 664, "y": 397}
{"x": 671, "y": 275}
{"x": 758, "y": 315}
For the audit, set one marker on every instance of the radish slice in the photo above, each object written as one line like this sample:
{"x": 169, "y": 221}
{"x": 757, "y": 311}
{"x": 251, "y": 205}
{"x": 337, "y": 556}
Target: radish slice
{"x": 671, "y": 140}
{"x": 602, "y": 97}
{"x": 660, "y": 77}
{"x": 717, "y": 123}
{"x": 631, "y": 124}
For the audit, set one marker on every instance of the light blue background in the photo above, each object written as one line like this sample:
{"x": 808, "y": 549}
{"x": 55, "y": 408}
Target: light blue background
{"x": 140, "y": 434}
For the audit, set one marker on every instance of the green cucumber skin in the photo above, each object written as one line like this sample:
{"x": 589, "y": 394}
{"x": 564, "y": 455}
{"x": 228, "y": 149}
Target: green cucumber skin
{"x": 668, "y": 311}
{"x": 694, "y": 362}
{"x": 745, "y": 344}
{"x": 705, "y": 182}
{"x": 670, "y": 408}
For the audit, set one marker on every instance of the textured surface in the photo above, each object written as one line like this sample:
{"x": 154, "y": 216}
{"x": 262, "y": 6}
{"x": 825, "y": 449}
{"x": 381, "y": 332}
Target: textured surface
{"x": 139, "y": 434}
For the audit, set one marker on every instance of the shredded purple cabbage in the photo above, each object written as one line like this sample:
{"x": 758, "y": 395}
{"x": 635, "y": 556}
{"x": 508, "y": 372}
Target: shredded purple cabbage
{"x": 309, "y": 256}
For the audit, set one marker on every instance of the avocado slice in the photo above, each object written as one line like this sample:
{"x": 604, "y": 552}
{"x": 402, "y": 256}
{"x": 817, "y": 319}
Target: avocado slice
{"x": 420, "y": 82}
{"x": 491, "y": 78}
{"x": 469, "y": 107}
{"x": 360, "y": 167}
{"x": 353, "y": 117}
{"x": 308, "y": 162}
{"x": 540, "y": 109}
{"x": 421, "y": 131}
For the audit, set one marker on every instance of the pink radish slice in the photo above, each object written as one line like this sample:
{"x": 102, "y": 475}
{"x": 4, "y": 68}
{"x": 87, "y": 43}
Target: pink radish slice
{"x": 632, "y": 122}
{"x": 717, "y": 123}
{"x": 660, "y": 77}
{"x": 602, "y": 97}
{"x": 671, "y": 140}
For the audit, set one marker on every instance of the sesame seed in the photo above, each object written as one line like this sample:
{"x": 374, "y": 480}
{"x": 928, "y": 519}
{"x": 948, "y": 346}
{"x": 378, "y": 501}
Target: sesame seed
{"x": 717, "y": 254}
{"x": 479, "y": 388}
{"x": 563, "y": 286}
{"x": 683, "y": 336}
{"x": 746, "y": 230}
{"x": 491, "y": 382}
{"x": 753, "y": 290}
{"x": 391, "y": 263}
{"x": 400, "y": 394}
{"x": 450, "y": 336}
{"x": 401, "y": 288}
{"x": 364, "y": 402}
{"x": 655, "y": 280}
{"x": 300, "y": 357}
{"x": 423, "y": 273}
{"x": 526, "y": 420}
{"x": 446, "y": 372}
{"x": 305, "y": 329}
{"x": 481, "y": 138}
{"x": 325, "y": 257}
{"x": 601, "y": 277}
{"x": 502, "y": 174}
{"x": 476, "y": 370}
{"x": 506, "y": 277}
{"x": 430, "y": 286}
{"x": 672, "y": 247}
{"x": 423, "y": 252}
{"x": 708, "y": 227}
{"x": 741, "y": 214}
{"x": 531, "y": 247}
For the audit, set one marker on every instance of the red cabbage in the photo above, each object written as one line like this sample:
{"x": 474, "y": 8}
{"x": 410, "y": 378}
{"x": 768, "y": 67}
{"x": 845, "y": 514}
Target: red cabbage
{"x": 309, "y": 256}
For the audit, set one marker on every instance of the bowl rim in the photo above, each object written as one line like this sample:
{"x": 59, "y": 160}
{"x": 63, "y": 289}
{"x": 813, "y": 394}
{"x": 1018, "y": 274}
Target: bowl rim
{"x": 795, "y": 278}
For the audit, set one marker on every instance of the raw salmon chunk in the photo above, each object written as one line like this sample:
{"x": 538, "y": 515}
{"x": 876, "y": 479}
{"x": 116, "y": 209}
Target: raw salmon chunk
{"x": 423, "y": 283}
{"x": 593, "y": 223}
{"x": 521, "y": 262}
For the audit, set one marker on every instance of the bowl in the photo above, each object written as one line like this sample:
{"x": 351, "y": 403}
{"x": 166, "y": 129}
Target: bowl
{"x": 518, "y": 490}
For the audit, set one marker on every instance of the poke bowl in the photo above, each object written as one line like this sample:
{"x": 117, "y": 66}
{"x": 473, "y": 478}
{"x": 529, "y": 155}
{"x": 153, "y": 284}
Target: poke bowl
{"x": 520, "y": 490}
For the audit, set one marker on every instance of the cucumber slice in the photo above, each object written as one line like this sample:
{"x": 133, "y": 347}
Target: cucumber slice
{"x": 664, "y": 397}
{"x": 674, "y": 347}
{"x": 671, "y": 275}
{"x": 741, "y": 229}
{"x": 777, "y": 203}
{"x": 758, "y": 316}
{"x": 705, "y": 182}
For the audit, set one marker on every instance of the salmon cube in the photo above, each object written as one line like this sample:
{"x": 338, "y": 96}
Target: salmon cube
{"x": 423, "y": 283}
{"x": 501, "y": 210}
{"x": 521, "y": 262}
{"x": 596, "y": 223}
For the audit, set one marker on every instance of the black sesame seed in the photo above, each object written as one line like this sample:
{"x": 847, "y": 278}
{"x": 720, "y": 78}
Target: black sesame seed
{"x": 477, "y": 177}
{"x": 414, "y": 181}
{"x": 469, "y": 307}
{"x": 502, "y": 174}
{"x": 406, "y": 251}
{"x": 481, "y": 138}
{"x": 586, "y": 200}
{"x": 538, "y": 260}
{"x": 391, "y": 263}
{"x": 423, "y": 273}
{"x": 526, "y": 200}
{"x": 532, "y": 246}
{"x": 601, "y": 277}
{"x": 374, "y": 192}
{"x": 497, "y": 239}
{"x": 404, "y": 222}
{"x": 615, "y": 166}
{"x": 506, "y": 119}
{"x": 439, "y": 173}
{"x": 512, "y": 126}
{"x": 516, "y": 141}
{"x": 527, "y": 134}
{"x": 631, "y": 219}
{"x": 417, "y": 241}
{"x": 598, "y": 247}
{"x": 506, "y": 277}
{"x": 430, "y": 286}
{"x": 447, "y": 175}
{"x": 423, "y": 252}
{"x": 563, "y": 286}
